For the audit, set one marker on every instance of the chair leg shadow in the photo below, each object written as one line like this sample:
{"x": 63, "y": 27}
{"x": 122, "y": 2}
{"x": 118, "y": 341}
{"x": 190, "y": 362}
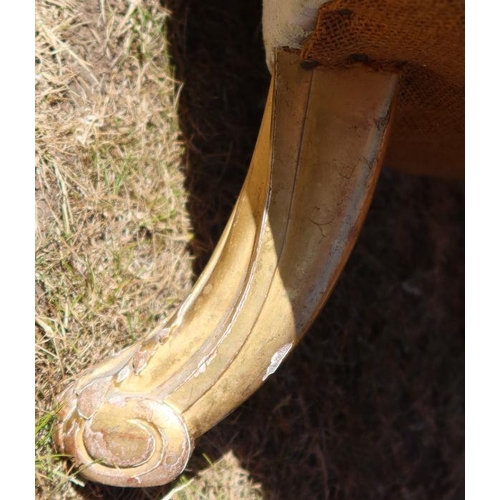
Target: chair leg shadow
{"x": 371, "y": 404}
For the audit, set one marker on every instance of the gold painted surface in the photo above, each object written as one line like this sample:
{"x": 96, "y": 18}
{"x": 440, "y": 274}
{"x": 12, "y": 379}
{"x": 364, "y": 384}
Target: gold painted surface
{"x": 132, "y": 420}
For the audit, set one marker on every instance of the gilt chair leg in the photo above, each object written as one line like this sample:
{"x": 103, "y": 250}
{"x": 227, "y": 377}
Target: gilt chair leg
{"x": 133, "y": 419}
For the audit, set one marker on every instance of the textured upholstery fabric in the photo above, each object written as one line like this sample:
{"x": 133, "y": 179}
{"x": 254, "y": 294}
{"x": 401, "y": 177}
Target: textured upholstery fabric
{"x": 425, "y": 40}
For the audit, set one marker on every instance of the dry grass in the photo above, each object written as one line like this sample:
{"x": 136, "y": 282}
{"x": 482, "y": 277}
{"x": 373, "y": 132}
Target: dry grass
{"x": 112, "y": 225}
{"x": 135, "y": 177}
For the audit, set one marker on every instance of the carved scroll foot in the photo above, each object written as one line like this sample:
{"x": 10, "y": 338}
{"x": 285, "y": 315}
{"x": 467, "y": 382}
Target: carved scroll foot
{"x": 132, "y": 420}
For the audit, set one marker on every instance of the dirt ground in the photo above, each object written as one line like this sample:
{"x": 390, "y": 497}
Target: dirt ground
{"x": 147, "y": 115}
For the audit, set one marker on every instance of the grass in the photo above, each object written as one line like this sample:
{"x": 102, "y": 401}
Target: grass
{"x": 145, "y": 122}
{"x": 112, "y": 225}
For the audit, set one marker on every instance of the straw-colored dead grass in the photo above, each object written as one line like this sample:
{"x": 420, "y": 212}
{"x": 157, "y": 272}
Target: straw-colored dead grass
{"x": 112, "y": 226}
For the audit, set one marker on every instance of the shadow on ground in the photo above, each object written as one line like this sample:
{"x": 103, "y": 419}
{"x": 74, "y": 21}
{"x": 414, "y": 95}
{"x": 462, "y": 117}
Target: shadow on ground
{"x": 371, "y": 404}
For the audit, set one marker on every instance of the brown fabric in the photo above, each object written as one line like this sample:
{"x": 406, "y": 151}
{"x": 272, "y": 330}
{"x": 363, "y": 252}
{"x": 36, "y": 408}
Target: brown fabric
{"x": 426, "y": 40}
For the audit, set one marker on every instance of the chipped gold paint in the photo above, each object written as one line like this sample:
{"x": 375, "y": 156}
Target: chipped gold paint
{"x": 132, "y": 420}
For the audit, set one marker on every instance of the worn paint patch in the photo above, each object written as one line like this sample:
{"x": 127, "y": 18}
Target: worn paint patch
{"x": 92, "y": 396}
{"x": 122, "y": 374}
{"x": 277, "y": 358}
{"x": 203, "y": 364}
